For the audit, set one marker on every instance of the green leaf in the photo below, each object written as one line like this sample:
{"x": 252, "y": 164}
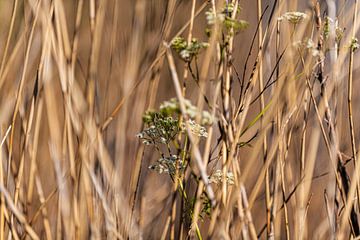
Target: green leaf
{"x": 254, "y": 121}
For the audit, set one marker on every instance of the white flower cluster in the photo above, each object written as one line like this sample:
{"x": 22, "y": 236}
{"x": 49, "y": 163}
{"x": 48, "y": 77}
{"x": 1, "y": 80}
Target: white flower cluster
{"x": 162, "y": 130}
{"x": 223, "y": 17}
{"x": 192, "y": 111}
{"x": 211, "y": 19}
{"x": 151, "y": 135}
{"x": 171, "y": 104}
{"x": 293, "y": 17}
{"x": 309, "y": 45}
{"x": 195, "y": 128}
{"x": 217, "y": 177}
{"x": 167, "y": 165}
{"x": 187, "y": 50}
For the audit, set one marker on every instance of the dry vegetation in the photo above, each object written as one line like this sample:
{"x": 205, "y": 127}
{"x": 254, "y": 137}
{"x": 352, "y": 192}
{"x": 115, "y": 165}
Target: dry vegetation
{"x": 179, "y": 119}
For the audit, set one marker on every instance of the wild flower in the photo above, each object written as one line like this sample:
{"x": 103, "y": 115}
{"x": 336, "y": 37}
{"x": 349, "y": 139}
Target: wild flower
{"x": 217, "y": 177}
{"x": 339, "y": 34}
{"x": 293, "y": 17}
{"x": 211, "y": 19}
{"x": 311, "y": 46}
{"x": 229, "y": 8}
{"x": 172, "y": 106}
{"x": 224, "y": 18}
{"x": 326, "y": 30}
{"x": 187, "y": 51}
{"x": 195, "y": 128}
{"x": 161, "y": 128}
{"x": 167, "y": 165}
{"x": 354, "y": 45}
{"x": 308, "y": 45}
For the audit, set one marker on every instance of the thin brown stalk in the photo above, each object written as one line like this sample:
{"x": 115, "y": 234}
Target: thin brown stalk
{"x": 185, "y": 76}
{"x": 203, "y": 74}
{"x": 252, "y": 231}
{"x": 11, "y": 29}
{"x": 189, "y": 37}
{"x": 152, "y": 66}
{"x": 44, "y": 211}
{"x": 20, "y": 92}
{"x": 195, "y": 149}
{"x": 262, "y": 106}
{"x": 150, "y": 98}
{"x": 283, "y": 186}
{"x": 2, "y": 199}
{"x": 17, "y": 213}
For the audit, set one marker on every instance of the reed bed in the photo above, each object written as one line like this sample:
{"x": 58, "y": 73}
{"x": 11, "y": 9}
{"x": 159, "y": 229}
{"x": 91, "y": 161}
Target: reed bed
{"x": 179, "y": 119}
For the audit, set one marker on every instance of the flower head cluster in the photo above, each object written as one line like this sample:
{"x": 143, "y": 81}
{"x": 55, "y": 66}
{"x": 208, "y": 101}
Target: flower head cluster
{"x": 161, "y": 128}
{"x": 224, "y": 18}
{"x": 308, "y": 45}
{"x": 187, "y": 51}
{"x": 167, "y": 165}
{"x": 327, "y": 27}
{"x": 172, "y": 106}
{"x": 354, "y": 45}
{"x": 217, "y": 177}
{"x": 339, "y": 34}
{"x": 293, "y": 17}
{"x": 195, "y": 128}
{"x": 211, "y": 18}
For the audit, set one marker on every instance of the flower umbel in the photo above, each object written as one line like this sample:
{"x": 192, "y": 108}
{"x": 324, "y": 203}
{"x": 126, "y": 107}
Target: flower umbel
{"x": 187, "y": 51}
{"x": 293, "y": 17}
{"x": 162, "y": 129}
{"x": 354, "y": 45}
{"x": 217, "y": 177}
{"x": 172, "y": 106}
{"x": 224, "y": 18}
{"x": 167, "y": 165}
{"x": 195, "y": 128}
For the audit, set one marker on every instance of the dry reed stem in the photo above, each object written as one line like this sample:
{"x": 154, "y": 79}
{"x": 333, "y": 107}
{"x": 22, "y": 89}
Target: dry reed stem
{"x": 68, "y": 172}
{"x": 195, "y": 149}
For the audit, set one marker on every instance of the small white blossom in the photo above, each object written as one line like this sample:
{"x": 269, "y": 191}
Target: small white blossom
{"x": 195, "y": 128}
{"x": 293, "y": 17}
{"x": 217, "y": 177}
{"x": 167, "y": 165}
{"x": 315, "y": 52}
{"x": 211, "y": 19}
{"x": 140, "y": 135}
{"x": 185, "y": 54}
{"x": 171, "y": 104}
{"x": 146, "y": 142}
{"x": 310, "y": 44}
{"x": 192, "y": 111}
